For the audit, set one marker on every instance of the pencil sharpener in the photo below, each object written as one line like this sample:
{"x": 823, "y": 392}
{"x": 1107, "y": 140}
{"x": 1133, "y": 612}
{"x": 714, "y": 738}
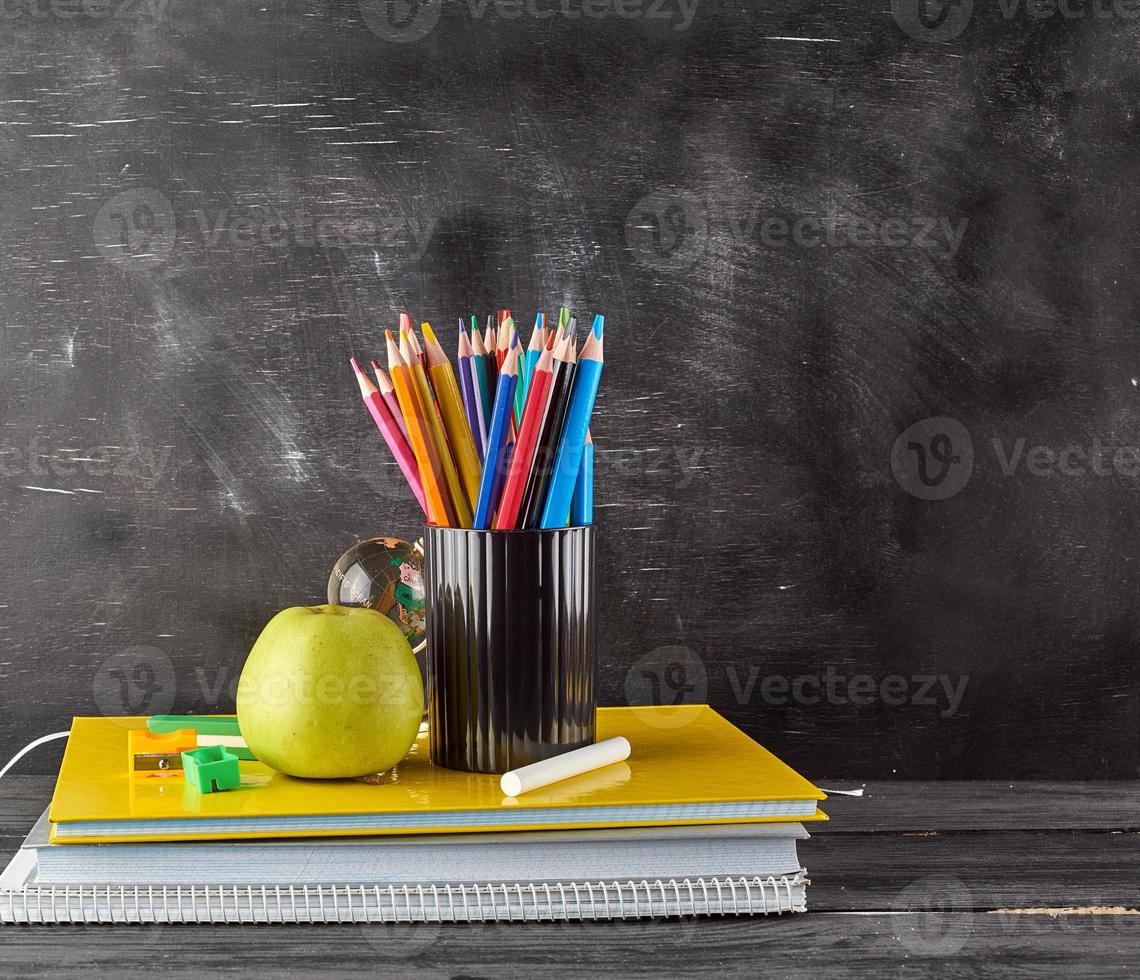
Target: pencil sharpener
{"x": 211, "y": 769}
{"x": 158, "y": 754}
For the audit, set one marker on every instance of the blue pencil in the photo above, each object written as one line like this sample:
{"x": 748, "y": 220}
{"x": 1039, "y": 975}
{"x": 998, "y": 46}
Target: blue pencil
{"x": 571, "y": 445}
{"x": 526, "y": 366}
{"x": 495, "y": 463}
{"x": 582, "y": 503}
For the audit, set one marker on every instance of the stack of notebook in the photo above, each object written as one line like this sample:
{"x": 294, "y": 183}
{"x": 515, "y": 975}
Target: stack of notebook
{"x": 699, "y": 821}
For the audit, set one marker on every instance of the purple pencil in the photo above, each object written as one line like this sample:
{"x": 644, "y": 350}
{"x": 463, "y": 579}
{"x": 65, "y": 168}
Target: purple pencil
{"x": 472, "y": 404}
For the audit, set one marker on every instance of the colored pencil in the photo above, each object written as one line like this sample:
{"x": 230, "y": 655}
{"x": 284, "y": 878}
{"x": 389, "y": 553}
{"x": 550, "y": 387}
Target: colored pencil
{"x": 513, "y": 340}
{"x": 571, "y": 444}
{"x": 479, "y": 363}
{"x": 582, "y": 502}
{"x": 414, "y": 345}
{"x": 472, "y": 396}
{"x": 498, "y": 449}
{"x": 384, "y": 383}
{"x": 519, "y": 471}
{"x": 490, "y": 357}
{"x": 461, "y": 509}
{"x": 529, "y": 360}
{"x": 503, "y": 339}
{"x": 563, "y": 320}
{"x": 562, "y": 378}
{"x": 571, "y": 328}
{"x": 382, "y": 416}
{"x": 454, "y": 417}
{"x": 427, "y": 460}
{"x": 406, "y": 325}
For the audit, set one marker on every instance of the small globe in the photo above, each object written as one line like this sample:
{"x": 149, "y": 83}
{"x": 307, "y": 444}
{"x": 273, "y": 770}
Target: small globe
{"x": 386, "y": 574}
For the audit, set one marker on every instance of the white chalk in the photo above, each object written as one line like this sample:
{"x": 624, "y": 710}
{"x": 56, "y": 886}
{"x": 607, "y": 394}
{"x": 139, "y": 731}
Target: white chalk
{"x": 586, "y": 759}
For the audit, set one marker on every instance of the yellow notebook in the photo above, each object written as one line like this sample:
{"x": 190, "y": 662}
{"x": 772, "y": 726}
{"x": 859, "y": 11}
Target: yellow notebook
{"x": 688, "y": 765}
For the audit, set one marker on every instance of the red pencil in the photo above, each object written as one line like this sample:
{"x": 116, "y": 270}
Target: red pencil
{"x": 523, "y": 456}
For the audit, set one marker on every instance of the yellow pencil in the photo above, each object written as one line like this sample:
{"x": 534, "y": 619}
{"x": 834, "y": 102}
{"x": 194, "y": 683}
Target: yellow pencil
{"x": 415, "y": 418}
{"x": 454, "y": 417}
{"x": 458, "y": 499}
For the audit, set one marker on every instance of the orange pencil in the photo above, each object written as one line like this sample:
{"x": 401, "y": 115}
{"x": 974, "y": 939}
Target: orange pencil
{"x": 458, "y": 499}
{"x": 431, "y": 472}
{"x": 523, "y": 456}
{"x": 454, "y": 418}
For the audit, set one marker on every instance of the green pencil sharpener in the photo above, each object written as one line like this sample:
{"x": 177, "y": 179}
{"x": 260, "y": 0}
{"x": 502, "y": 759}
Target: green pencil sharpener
{"x": 211, "y": 769}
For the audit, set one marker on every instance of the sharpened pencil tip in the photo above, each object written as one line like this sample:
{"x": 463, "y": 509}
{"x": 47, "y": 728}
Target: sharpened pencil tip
{"x": 393, "y": 350}
{"x": 599, "y": 324}
{"x": 429, "y": 334}
{"x": 381, "y": 378}
{"x": 356, "y": 365}
{"x": 366, "y": 386}
{"x": 462, "y": 326}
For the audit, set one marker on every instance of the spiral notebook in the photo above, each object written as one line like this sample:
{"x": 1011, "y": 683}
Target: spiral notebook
{"x": 541, "y": 876}
{"x": 24, "y": 902}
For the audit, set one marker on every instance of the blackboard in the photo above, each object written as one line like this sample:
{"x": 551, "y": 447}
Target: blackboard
{"x": 867, "y": 440}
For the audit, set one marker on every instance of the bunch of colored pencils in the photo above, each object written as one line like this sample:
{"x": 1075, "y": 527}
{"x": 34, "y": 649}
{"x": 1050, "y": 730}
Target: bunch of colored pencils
{"x": 506, "y": 444}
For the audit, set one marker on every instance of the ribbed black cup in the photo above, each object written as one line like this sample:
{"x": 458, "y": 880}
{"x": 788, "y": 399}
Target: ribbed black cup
{"x": 510, "y": 640}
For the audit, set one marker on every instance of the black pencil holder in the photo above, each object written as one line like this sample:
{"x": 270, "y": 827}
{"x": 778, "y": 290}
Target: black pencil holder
{"x": 510, "y": 640}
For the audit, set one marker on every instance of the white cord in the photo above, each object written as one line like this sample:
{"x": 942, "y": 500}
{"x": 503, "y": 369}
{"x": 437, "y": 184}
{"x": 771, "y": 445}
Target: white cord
{"x": 28, "y": 748}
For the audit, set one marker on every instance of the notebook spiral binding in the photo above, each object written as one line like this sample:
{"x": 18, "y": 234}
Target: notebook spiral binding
{"x": 313, "y": 904}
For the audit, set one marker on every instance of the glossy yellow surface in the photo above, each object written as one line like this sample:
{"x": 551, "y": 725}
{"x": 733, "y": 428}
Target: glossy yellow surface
{"x": 685, "y": 754}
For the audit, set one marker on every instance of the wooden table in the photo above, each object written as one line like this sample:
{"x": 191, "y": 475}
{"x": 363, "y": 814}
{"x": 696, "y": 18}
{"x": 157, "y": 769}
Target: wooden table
{"x": 915, "y": 879}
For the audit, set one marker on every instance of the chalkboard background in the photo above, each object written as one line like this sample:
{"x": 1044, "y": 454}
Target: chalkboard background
{"x": 867, "y": 473}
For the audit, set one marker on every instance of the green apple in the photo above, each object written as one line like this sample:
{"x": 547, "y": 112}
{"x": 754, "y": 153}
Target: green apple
{"x": 329, "y": 692}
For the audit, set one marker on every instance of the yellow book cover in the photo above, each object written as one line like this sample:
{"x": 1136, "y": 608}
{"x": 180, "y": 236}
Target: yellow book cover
{"x": 688, "y": 765}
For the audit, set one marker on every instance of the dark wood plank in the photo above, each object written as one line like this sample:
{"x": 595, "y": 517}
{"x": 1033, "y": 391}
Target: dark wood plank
{"x": 808, "y": 946}
{"x": 977, "y": 805}
{"x": 972, "y": 871}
